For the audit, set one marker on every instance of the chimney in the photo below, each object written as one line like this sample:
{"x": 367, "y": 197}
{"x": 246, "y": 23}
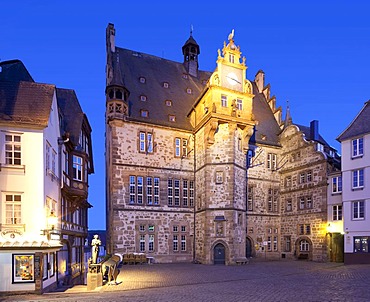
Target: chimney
{"x": 314, "y": 130}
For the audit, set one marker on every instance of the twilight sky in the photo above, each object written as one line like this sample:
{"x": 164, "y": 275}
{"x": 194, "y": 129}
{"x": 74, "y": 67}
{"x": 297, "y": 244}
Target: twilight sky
{"x": 315, "y": 54}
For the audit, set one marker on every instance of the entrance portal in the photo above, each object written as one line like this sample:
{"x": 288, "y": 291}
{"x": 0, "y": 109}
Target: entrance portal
{"x": 219, "y": 254}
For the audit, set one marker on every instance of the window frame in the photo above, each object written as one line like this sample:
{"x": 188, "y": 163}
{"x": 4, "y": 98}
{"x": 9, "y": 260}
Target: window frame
{"x": 337, "y": 212}
{"x": 13, "y": 156}
{"x": 336, "y": 185}
{"x": 358, "y": 179}
{"x": 357, "y": 146}
{"x": 77, "y": 168}
{"x": 358, "y": 210}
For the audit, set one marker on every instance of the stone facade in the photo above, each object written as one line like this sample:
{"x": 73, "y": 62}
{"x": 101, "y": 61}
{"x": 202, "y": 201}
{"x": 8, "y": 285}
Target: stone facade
{"x": 206, "y": 170}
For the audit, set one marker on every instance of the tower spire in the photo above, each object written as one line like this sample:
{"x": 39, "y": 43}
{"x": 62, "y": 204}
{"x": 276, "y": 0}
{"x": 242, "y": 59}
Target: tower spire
{"x": 288, "y": 118}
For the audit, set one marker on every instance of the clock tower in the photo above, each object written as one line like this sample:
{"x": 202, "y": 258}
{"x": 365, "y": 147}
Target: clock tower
{"x": 223, "y": 123}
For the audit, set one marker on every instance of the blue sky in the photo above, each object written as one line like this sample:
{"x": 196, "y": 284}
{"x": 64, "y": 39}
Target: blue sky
{"x": 315, "y": 54}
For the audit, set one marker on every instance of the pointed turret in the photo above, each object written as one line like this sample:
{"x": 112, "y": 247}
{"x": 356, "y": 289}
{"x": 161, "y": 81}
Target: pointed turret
{"x": 191, "y": 51}
{"x": 288, "y": 118}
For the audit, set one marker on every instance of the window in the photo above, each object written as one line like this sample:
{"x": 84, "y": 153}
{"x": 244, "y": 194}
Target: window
{"x": 287, "y": 244}
{"x": 301, "y": 203}
{"x": 336, "y": 184}
{"x": 191, "y": 193}
{"x": 12, "y": 149}
{"x": 177, "y": 192}
{"x": 45, "y": 267}
{"x": 13, "y": 209}
{"x": 183, "y": 243}
{"x": 358, "y": 147}
{"x": 143, "y": 98}
{"x": 175, "y": 243}
{"x": 168, "y": 103}
{"x": 183, "y": 228}
{"x": 231, "y": 58}
{"x": 271, "y": 161}
{"x": 142, "y": 243}
{"x": 223, "y": 100}
{"x": 272, "y": 200}
{"x": 144, "y": 189}
{"x": 142, "y": 80}
{"x": 275, "y": 246}
{"x": 172, "y": 118}
{"x": 23, "y": 268}
{"x": 170, "y": 192}
{"x": 269, "y": 243}
{"x": 185, "y": 193}
{"x": 139, "y": 188}
{"x": 358, "y": 209}
{"x": 47, "y": 157}
{"x": 357, "y": 179}
{"x": 189, "y": 91}
{"x": 304, "y": 246}
{"x": 146, "y": 142}
{"x": 151, "y": 243}
{"x": 239, "y": 104}
{"x": 181, "y": 147}
{"x": 53, "y": 162}
{"x": 309, "y": 202}
{"x": 144, "y": 113}
{"x": 361, "y": 244}
{"x": 165, "y": 85}
{"x": 250, "y": 198}
{"x": 304, "y": 229}
{"x": 305, "y": 202}
{"x": 288, "y": 181}
{"x": 77, "y": 168}
{"x": 289, "y": 205}
{"x": 302, "y": 178}
{"x": 309, "y": 176}
{"x": 337, "y": 212}
{"x": 175, "y": 228}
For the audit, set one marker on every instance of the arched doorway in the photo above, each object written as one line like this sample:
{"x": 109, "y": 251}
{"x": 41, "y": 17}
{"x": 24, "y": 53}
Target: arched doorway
{"x": 248, "y": 247}
{"x": 304, "y": 249}
{"x": 219, "y": 254}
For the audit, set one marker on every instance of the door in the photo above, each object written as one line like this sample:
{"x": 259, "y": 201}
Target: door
{"x": 248, "y": 248}
{"x": 219, "y": 254}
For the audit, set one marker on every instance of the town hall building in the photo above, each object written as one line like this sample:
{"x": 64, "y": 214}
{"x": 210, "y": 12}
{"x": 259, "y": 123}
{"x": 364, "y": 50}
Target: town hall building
{"x": 202, "y": 167}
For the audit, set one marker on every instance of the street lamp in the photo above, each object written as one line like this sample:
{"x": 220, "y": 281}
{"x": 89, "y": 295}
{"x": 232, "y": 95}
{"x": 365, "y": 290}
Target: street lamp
{"x": 52, "y": 220}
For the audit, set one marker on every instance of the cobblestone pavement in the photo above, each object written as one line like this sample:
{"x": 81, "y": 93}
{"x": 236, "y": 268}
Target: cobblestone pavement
{"x": 256, "y": 281}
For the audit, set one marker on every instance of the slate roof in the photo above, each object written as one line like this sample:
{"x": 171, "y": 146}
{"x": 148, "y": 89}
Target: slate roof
{"x": 359, "y": 126}
{"x": 267, "y": 129}
{"x": 14, "y": 71}
{"x": 25, "y": 103}
{"x": 156, "y": 71}
{"x": 307, "y": 132}
{"x": 72, "y": 113}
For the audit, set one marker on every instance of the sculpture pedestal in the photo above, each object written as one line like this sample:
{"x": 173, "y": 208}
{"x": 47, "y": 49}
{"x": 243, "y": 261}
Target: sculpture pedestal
{"x": 94, "y": 280}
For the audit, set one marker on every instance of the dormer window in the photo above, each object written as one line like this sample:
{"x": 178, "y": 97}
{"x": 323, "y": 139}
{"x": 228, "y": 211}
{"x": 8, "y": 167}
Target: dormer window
{"x": 168, "y": 103}
{"x": 143, "y": 98}
{"x": 184, "y": 76}
{"x": 142, "y": 80}
{"x": 165, "y": 85}
{"x": 189, "y": 91}
{"x": 144, "y": 113}
{"x": 172, "y": 118}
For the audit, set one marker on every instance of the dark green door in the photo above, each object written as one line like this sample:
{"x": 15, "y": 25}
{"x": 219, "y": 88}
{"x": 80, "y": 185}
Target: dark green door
{"x": 248, "y": 248}
{"x": 219, "y": 254}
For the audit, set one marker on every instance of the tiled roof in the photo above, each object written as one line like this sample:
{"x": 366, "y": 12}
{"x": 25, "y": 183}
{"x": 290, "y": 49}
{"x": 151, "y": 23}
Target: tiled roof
{"x": 71, "y": 112}
{"x": 359, "y": 126}
{"x": 156, "y": 72}
{"x": 25, "y": 103}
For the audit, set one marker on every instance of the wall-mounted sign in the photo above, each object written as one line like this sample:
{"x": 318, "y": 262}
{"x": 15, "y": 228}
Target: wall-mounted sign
{"x": 11, "y": 233}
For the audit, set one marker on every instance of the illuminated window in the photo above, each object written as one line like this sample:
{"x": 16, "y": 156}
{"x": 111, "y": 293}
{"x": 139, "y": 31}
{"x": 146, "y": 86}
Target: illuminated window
{"x": 304, "y": 246}
{"x": 77, "y": 168}
{"x": 12, "y": 149}
{"x": 361, "y": 244}
{"x": 175, "y": 243}
{"x": 23, "y": 268}
{"x": 271, "y": 161}
{"x": 13, "y": 209}
{"x": 181, "y": 147}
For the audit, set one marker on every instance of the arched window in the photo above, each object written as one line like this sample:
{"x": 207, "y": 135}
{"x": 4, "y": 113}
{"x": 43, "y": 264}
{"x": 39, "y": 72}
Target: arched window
{"x": 304, "y": 246}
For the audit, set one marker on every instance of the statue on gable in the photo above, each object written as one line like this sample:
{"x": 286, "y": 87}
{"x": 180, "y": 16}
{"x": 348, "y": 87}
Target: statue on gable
{"x": 95, "y": 243}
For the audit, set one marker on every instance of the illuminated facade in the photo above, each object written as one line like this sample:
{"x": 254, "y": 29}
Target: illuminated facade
{"x": 37, "y": 151}
{"x": 201, "y": 167}
{"x": 355, "y": 143}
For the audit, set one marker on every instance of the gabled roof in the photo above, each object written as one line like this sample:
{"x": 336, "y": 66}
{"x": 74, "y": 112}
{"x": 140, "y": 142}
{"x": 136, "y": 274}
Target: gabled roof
{"x": 307, "y": 133}
{"x": 156, "y": 72}
{"x": 267, "y": 129}
{"x": 359, "y": 126}
{"x": 25, "y": 103}
{"x": 72, "y": 115}
{"x": 14, "y": 71}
